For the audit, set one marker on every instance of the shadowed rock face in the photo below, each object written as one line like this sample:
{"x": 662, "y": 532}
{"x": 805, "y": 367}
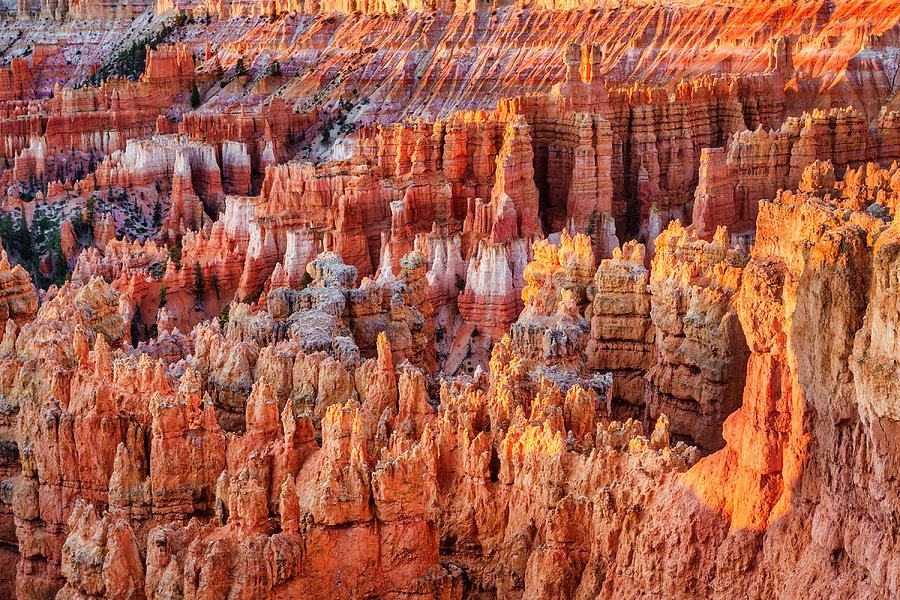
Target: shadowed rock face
{"x": 443, "y": 300}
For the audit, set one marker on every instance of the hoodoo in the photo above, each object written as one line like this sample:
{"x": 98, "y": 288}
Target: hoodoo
{"x": 546, "y": 300}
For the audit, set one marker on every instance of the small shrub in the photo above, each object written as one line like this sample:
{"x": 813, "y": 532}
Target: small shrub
{"x": 592, "y": 225}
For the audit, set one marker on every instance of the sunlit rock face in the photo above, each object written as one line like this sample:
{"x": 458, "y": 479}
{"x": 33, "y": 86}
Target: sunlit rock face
{"x": 784, "y": 474}
{"x": 415, "y": 300}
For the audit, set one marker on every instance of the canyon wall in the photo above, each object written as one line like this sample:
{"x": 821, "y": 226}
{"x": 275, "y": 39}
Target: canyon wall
{"x": 448, "y": 300}
{"x": 785, "y": 507}
{"x": 497, "y": 478}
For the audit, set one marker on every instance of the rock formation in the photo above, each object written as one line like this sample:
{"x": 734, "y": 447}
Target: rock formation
{"x": 449, "y": 300}
{"x": 18, "y": 298}
{"x": 784, "y": 475}
{"x": 701, "y": 353}
{"x": 622, "y": 334}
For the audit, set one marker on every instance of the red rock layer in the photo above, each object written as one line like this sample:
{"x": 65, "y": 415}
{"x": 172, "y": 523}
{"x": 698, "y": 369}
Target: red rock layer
{"x": 784, "y": 495}
{"x": 642, "y": 42}
{"x": 550, "y": 329}
{"x": 248, "y": 141}
{"x": 387, "y": 466}
{"x": 463, "y": 138}
{"x": 18, "y": 296}
{"x": 81, "y": 9}
{"x": 500, "y": 483}
{"x": 759, "y": 163}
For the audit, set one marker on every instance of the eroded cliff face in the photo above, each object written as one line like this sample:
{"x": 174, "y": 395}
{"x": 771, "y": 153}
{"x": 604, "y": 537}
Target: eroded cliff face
{"x": 346, "y": 475}
{"x": 351, "y": 474}
{"x": 449, "y": 300}
{"x": 344, "y": 472}
{"x": 791, "y": 506}
{"x": 701, "y": 353}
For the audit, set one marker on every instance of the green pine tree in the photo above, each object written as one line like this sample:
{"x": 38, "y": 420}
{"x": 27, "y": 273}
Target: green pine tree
{"x": 199, "y": 285}
{"x": 91, "y": 209}
{"x": 195, "y": 96}
{"x": 136, "y": 326}
{"x": 175, "y": 254}
{"x": 7, "y": 230}
{"x": 26, "y": 244}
